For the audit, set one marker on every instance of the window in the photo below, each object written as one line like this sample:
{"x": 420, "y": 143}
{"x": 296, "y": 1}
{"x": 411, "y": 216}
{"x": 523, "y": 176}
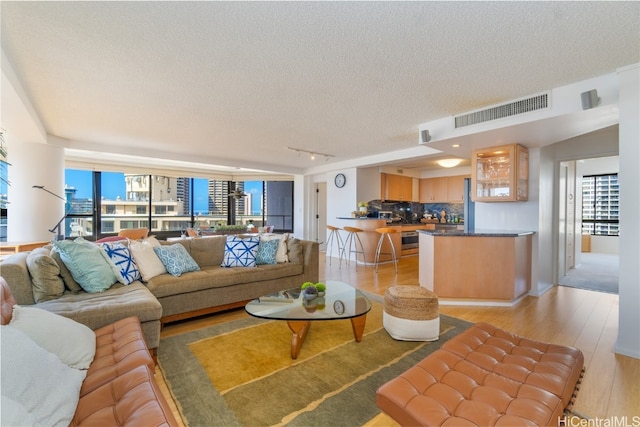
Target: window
{"x": 170, "y": 204}
{"x": 600, "y": 201}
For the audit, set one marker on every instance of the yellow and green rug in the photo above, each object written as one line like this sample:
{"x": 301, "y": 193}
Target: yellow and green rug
{"x": 241, "y": 373}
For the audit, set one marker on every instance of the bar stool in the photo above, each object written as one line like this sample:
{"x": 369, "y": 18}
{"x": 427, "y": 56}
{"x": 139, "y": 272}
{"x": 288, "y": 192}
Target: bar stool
{"x": 351, "y": 245}
{"x": 385, "y": 231}
{"x": 334, "y": 234}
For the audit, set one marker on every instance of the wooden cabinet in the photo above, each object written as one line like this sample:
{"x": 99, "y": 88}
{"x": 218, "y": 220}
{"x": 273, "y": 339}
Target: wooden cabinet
{"x": 500, "y": 174}
{"x": 396, "y": 187}
{"x": 455, "y": 188}
{"x": 448, "y": 189}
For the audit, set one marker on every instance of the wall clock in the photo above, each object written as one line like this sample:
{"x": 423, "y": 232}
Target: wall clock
{"x": 338, "y": 307}
{"x": 340, "y": 180}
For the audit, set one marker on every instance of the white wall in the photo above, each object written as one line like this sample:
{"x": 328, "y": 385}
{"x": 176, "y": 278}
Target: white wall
{"x": 628, "y": 342}
{"x": 341, "y": 201}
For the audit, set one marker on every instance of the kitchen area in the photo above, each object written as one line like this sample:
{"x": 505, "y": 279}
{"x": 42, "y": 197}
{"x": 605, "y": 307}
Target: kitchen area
{"x": 440, "y": 205}
{"x": 434, "y": 218}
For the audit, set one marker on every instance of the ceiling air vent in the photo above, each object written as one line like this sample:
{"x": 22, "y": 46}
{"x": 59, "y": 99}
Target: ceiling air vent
{"x": 526, "y": 105}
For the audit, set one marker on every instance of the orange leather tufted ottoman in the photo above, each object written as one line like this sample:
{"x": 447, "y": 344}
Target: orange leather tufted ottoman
{"x": 485, "y": 376}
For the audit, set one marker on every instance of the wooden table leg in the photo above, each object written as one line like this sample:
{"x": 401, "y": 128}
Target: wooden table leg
{"x": 357, "y": 324}
{"x": 299, "y": 329}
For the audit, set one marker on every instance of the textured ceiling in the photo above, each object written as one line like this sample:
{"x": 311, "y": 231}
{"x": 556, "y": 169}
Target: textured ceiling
{"x": 235, "y": 83}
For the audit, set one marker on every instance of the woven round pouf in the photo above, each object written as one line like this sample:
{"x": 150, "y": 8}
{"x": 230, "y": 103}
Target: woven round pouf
{"x": 411, "y": 313}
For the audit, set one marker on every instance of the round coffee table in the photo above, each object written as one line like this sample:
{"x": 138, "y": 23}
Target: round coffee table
{"x": 341, "y": 301}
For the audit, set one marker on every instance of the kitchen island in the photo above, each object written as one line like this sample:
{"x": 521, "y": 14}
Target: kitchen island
{"x": 476, "y": 268}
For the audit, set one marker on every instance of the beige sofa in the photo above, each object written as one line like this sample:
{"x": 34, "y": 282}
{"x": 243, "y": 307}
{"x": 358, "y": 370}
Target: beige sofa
{"x": 166, "y": 298}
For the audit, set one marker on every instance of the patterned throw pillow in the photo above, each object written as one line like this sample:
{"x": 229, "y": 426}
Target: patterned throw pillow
{"x": 267, "y": 250}
{"x": 240, "y": 252}
{"x": 123, "y": 260}
{"x": 176, "y": 259}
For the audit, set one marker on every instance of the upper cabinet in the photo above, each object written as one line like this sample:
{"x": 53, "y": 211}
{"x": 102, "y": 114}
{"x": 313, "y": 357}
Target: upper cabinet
{"x": 500, "y": 174}
{"x": 396, "y": 187}
{"x": 447, "y": 189}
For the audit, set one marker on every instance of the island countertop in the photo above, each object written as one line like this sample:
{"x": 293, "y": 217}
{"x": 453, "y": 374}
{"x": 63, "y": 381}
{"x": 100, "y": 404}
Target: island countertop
{"x": 476, "y": 233}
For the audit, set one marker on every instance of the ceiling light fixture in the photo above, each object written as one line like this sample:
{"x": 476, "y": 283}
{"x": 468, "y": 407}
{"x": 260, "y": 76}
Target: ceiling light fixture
{"x": 449, "y": 163}
{"x": 312, "y": 154}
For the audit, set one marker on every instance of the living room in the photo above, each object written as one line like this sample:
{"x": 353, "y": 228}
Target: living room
{"x": 106, "y": 87}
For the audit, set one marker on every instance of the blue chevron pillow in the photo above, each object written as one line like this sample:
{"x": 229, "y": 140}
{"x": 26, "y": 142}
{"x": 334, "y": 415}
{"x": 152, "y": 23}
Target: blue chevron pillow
{"x": 239, "y": 252}
{"x": 120, "y": 255}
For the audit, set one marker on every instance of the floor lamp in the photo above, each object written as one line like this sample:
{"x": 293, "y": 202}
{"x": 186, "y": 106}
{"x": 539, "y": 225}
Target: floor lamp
{"x": 56, "y": 228}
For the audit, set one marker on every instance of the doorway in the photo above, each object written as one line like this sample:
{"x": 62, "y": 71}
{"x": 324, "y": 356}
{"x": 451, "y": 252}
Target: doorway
{"x": 594, "y": 267}
{"x": 320, "y": 233}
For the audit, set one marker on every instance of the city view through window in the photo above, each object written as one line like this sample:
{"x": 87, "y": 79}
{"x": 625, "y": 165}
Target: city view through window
{"x": 103, "y": 203}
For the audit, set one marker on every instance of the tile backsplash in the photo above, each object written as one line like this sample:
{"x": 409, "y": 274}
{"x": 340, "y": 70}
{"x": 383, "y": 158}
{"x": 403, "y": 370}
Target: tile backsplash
{"x": 411, "y": 212}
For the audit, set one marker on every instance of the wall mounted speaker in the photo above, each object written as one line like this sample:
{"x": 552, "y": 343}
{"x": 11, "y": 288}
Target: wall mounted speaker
{"x": 425, "y": 137}
{"x": 589, "y": 99}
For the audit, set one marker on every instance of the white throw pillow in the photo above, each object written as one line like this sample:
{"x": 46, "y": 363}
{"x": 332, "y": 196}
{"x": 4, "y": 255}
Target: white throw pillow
{"x": 73, "y": 342}
{"x": 48, "y": 389}
{"x": 14, "y": 414}
{"x": 146, "y": 259}
{"x": 281, "y": 254}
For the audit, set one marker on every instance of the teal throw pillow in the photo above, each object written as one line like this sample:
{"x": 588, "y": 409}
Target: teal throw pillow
{"x": 267, "y": 250}
{"x": 88, "y": 264}
{"x": 176, "y": 259}
{"x": 240, "y": 252}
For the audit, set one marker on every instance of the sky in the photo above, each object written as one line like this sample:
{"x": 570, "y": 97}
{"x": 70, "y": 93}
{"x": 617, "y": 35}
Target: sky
{"x": 113, "y": 185}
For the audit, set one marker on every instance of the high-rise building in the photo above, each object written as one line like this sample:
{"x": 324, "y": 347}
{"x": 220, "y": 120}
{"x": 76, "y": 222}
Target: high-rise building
{"x": 183, "y": 189}
{"x": 219, "y": 197}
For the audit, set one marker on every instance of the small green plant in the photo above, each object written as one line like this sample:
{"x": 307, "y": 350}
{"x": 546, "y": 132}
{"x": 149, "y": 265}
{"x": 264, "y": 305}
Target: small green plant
{"x": 231, "y": 228}
{"x": 306, "y": 285}
{"x": 321, "y": 287}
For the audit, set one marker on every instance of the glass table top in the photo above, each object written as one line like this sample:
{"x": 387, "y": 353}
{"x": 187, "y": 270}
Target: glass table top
{"x": 341, "y": 301}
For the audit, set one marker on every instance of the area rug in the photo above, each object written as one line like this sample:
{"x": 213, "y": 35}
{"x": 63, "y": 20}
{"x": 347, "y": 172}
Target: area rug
{"x": 240, "y": 373}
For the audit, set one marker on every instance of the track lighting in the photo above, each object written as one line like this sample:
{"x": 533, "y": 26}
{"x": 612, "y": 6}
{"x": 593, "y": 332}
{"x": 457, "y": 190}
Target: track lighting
{"x": 312, "y": 154}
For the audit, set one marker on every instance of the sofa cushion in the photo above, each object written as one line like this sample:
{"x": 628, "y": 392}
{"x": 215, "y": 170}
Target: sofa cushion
{"x": 146, "y": 259}
{"x": 176, "y": 259}
{"x": 219, "y": 277}
{"x": 73, "y": 342}
{"x": 98, "y": 310}
{"x": 67, "y": 277}
{"x": 267, "y": 250}
{"x": 120, "y": 255}
{"x": 45, "y": 275}
{"x": 120, "y": 347}
{"x": 240, "y": 252}
{"x": 207, "y": 251}
{"x": 89, "y": 265}
{"x": 47, "y": 388}
{"x": 131, "y": 398}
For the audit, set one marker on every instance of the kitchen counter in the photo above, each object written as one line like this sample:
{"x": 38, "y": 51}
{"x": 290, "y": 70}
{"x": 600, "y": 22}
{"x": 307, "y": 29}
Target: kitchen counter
{"x": 484, "y": 267}
{"x": 477, "y": 233}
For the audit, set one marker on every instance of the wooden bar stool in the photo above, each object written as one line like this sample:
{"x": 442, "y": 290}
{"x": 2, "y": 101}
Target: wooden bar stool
{"x": 351, "y": 245}
{"x": 385, "y": 232}
{"x": 334, "y": 235}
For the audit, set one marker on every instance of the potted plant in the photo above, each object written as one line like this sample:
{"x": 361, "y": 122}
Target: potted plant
{"x": 362, "y": 207}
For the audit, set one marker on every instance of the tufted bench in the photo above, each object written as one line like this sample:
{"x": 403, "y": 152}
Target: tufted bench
{"x": 486, "y": 376}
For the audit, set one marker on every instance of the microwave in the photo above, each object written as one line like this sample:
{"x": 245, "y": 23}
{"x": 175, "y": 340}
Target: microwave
{"x": 385, "y": 215}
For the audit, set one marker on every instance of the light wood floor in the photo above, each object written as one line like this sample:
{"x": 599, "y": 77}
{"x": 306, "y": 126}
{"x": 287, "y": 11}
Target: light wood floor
{"x": 584, "y": 319}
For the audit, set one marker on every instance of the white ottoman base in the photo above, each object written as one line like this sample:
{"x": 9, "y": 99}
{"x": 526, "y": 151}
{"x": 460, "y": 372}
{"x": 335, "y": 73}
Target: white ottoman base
{"x": 411, "y": 330}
